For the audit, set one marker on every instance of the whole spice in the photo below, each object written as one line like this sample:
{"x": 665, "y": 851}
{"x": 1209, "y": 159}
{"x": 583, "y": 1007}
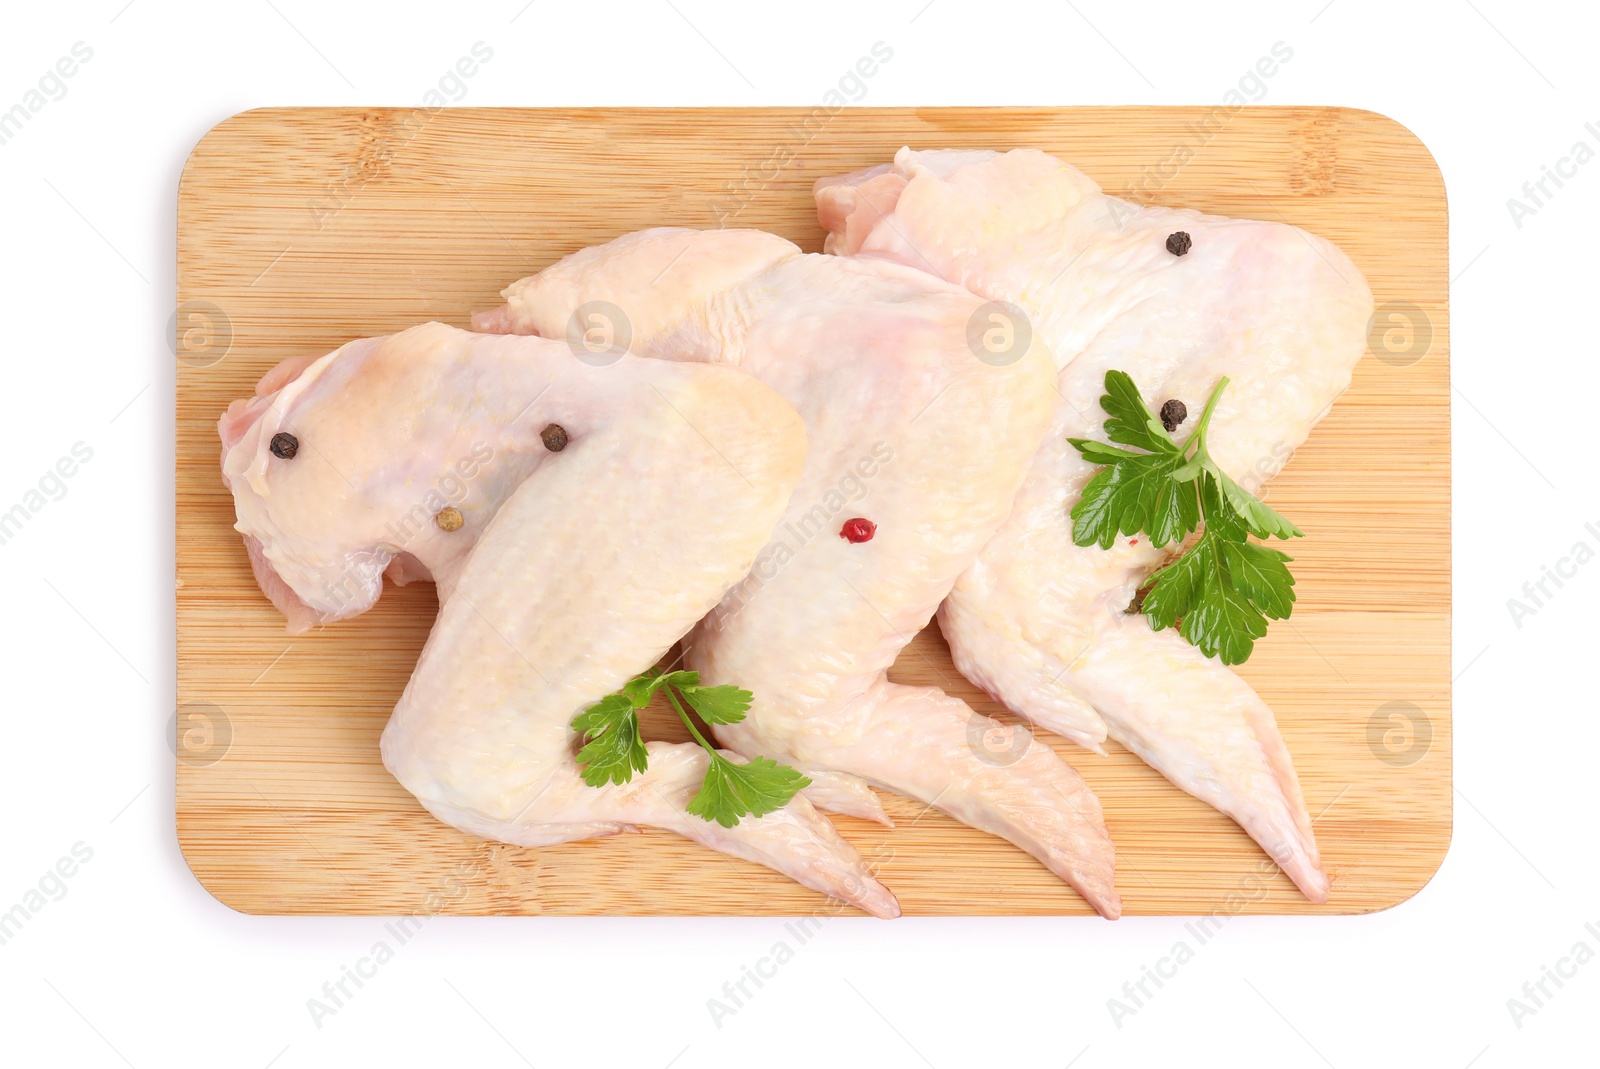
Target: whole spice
{"x": 285, "y": 445}
{"x": 858, "y": 530}
{"x": 449, "y": 518}
{"x": 1173, "y": 413}
{"x": 554, "y": 437}
{"x": 1136, "y": 606}
{"x": 1178, "y": 243}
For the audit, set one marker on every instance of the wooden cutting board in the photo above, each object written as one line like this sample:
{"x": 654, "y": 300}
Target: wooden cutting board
{"x": 301, "y": 228}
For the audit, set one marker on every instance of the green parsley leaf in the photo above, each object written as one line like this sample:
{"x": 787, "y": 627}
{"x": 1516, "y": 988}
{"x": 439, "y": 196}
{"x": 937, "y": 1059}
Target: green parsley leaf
{"x": 1129, "y": 419}
{"x": 613, "y": 750}
{"x": 679, "y": 679}
{"x": 1099, "y": 452}
{"x": 1262, "y": 574}
{"x": 1218, "y": 511}
{"x": 1174, "y": 513}
{"x": 1221, "y": 592}
{"x": 1259, "y": 518}
{"x": 1223, "y": 622}
{"x": 1175, "y": 589}
{"x": 1095, "y": 516}
{"x": 755, "y": 788}
{"x": 726, "y": 704}
{"x": 639, "y": 689}
{"x": 1128, "y": 497}
{"x": 730, "y": 791}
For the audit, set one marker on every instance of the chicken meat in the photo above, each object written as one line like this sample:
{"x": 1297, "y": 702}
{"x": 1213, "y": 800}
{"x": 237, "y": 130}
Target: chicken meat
{"x": 918, "y": 441}
{"x": 566, "y": 563}
{"x": 1176, "y": 299}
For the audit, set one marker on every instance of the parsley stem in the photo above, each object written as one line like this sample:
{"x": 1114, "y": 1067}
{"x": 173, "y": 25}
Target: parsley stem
{"x": 1199, "y": 435}
{"x": 684, "y": 716}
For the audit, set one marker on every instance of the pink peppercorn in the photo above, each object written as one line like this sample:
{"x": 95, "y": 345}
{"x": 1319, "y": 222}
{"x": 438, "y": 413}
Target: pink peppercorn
{"x": 858, "y": 530}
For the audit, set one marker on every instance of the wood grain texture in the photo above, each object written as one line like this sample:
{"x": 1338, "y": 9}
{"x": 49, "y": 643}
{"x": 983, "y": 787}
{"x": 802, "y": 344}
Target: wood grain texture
{"x": 303, "y": 228}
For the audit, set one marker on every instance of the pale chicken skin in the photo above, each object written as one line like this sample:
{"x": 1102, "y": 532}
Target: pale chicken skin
{"x": 909, "y": 430}
{"x": 570, "y": 572}
{"x": 1037, "y": 621}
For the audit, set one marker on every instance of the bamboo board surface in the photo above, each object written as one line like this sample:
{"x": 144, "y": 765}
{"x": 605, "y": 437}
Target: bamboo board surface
{"x": 299, "y": 229}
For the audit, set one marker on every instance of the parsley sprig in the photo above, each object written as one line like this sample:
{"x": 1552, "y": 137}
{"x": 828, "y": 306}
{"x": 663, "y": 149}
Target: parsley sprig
{"x": 1223, "y": 589}
{"x": 613, "y": 750}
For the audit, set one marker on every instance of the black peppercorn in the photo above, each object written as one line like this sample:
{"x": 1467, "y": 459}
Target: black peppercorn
{"x": 554, "y": 437}
{"x": 1178, "y": 243}
{"x": 1172, "y": 414}
{"x": 1136, "y": 606}
{"x": 285, "y": 445}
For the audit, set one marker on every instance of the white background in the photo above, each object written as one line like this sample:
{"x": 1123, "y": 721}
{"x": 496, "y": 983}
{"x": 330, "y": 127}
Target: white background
{"x": 137, "y": 965}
